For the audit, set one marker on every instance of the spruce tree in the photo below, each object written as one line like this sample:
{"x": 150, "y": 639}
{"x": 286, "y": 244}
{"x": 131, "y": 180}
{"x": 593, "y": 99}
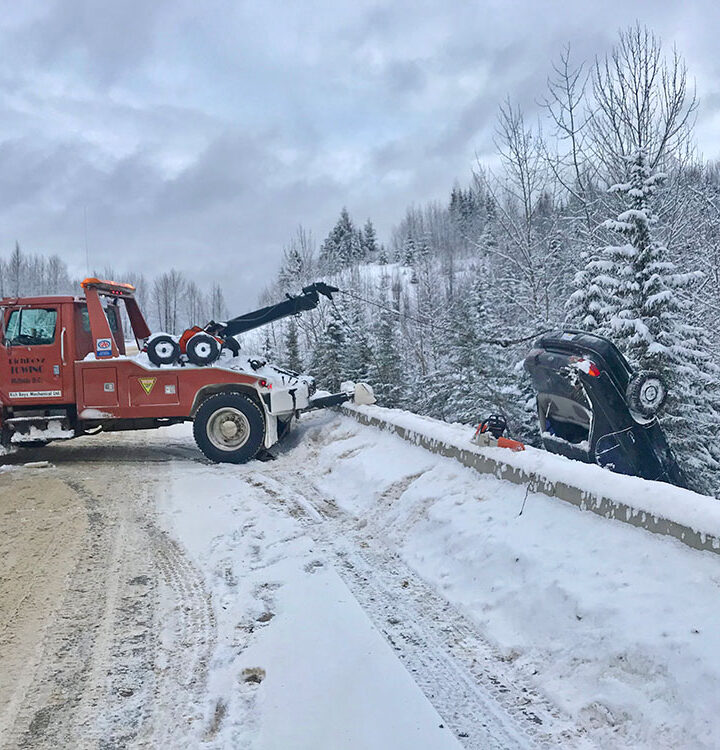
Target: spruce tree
{"x": 342, "y": 246}
{"x": 268, "y": 347}
{"x": 647, "y": 316}
{"x": 369, "y": 241}
{"x": 327, "y": 366}
{"x": 587, "y": 307}
{"x": 293, "y": 361}
{"x": 408, "y": 250}
{"x": 386, "y": 370}
{"x": 357, "y": 354}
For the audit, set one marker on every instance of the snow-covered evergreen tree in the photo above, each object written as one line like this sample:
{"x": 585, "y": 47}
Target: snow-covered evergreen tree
{"x": 386, "y": 372}
{"x": 343, "y": 246}
{"x": 408, "y": 251}
{"x": 268, "y": 345}
{"x": 293, "y": 360}
{"x": 327, "y": 365}
{"x": 587, "y": 306}
{"x": 369, "y": 241}
{"x": 647, "y": 313}
{"x": 471, "y": 359}
{"x": 357, "y": 354}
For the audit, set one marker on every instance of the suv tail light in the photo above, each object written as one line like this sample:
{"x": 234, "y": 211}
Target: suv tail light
{"x": 585, "y": 365}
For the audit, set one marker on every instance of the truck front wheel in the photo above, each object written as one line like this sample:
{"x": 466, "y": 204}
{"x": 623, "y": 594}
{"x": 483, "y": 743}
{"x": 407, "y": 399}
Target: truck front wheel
{"x": 229, "y": 428}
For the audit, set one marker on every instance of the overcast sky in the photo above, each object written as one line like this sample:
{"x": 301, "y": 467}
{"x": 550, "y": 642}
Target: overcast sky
{"x": 200, "y": 134}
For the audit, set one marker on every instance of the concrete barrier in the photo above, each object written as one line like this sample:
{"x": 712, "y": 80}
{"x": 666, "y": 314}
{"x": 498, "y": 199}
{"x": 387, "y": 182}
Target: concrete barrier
{"x": 586, "y": 501}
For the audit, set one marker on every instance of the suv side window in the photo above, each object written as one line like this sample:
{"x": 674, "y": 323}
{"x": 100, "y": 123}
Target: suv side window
{"x": 31, "y": 326}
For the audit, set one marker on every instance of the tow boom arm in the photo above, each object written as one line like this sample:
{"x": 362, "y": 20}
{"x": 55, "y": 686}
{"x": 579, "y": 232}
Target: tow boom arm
{"x": 308, "y": 300}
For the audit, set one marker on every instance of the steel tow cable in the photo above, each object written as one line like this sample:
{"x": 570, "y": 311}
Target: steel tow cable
{"x": 424, "y": 321}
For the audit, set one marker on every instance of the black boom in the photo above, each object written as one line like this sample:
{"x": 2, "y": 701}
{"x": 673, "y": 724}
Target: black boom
{"x": 308, "y": 300}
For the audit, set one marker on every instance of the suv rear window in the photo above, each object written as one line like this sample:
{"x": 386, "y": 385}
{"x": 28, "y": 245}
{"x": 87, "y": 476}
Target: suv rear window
{"x": 564, "y": 418}
{"x": 31, "y": 326}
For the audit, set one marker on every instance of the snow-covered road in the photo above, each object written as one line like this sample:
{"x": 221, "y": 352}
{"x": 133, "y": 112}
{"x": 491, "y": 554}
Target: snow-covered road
{"x": 357, "y": 592}
{"x": 352, "y": 648}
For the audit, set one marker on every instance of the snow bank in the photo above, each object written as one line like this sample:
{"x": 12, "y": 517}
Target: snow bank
{"x": 616, "y": 626}
{"x": 699, "y": 513}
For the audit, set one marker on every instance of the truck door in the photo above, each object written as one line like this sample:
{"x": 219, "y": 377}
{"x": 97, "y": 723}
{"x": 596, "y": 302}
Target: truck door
{"x": 33, "y": 355}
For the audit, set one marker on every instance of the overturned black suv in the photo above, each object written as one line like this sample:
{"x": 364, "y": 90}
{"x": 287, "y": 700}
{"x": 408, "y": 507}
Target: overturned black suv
{"x": 592, "y": 406}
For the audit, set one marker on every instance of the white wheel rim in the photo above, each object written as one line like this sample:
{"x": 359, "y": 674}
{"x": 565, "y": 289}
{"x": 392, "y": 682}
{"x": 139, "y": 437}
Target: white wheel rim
{"x": 228, "y": 429}
{"x": 203, "y": 350}
{"x": 164, "y": 349}
{"x": 652, "y": 393}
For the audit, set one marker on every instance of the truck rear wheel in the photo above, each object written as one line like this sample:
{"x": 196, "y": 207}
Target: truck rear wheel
{"x": 229, "y": 428}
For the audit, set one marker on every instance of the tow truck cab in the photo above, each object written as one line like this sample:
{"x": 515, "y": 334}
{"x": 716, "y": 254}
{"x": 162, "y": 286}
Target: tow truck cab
{"x": 42, "y": 342}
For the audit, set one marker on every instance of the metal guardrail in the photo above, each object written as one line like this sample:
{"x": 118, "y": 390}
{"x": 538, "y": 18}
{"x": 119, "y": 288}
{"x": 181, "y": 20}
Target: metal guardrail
{"x": 595, "y": 503}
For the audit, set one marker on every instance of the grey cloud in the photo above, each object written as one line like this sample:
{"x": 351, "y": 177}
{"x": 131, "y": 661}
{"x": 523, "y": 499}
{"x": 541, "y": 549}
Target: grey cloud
{"x": 112, "y": 37}
{"x": 201, "y": 135}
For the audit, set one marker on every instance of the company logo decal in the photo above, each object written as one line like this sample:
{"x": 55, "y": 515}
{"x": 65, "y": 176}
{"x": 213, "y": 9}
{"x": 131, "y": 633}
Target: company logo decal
{"x": 103, "y": 348}
{"x": 147, "y": 384}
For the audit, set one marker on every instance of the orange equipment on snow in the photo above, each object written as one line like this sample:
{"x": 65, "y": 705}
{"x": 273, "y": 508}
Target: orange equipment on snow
{"x": 490, "y": 433}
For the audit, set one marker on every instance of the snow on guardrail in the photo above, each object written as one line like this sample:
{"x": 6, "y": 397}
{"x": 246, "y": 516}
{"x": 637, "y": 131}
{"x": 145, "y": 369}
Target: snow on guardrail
{"x": 655, "y": 506}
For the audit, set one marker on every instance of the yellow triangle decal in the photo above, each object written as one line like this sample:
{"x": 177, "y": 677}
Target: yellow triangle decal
{"x": 147, "y": 384}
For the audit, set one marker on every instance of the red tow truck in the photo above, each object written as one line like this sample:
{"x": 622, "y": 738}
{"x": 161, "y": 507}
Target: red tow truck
{"x": 65, "y": 372}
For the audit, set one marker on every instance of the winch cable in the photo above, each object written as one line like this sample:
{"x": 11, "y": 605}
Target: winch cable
{"x": 359, "y": 338}
{"x": 433, "y": 324}
{"x": 495, "y": 394}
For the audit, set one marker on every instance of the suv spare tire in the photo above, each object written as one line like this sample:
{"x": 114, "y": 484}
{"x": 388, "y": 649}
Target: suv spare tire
{"x": 646, "y": 393}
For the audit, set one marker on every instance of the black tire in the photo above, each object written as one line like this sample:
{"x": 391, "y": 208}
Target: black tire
{"x": 202, "y": 349}
{"x": 646, "y": 393}
{"x": 226, "y": 446}
{"x": 163, "y": 350}
{"x": 30, "y": 444}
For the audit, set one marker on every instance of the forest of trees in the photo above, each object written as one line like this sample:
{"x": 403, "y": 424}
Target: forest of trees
{"x": 170, "y": 301}
{"x": 601, "y": 215}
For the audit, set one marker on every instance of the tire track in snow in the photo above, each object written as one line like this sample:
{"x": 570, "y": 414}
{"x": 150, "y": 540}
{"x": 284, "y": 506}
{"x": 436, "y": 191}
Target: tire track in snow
{"x": 472, "y": 687}
{"x": 185, "y": 643}
{"x": 116, "y": 670}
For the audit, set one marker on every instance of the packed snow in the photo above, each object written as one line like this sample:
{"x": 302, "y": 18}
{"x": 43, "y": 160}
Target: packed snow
{"x": 699, "y": 512}
{"x": 298, "y": 664}
{"x": 616, "y": 626}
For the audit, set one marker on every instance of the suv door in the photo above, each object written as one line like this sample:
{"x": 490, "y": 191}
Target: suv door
{"x": 32, "y": 351}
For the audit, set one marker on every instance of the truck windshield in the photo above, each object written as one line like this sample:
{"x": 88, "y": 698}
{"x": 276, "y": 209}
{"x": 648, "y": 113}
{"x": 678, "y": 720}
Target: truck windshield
{"x": 31, "y": 327}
